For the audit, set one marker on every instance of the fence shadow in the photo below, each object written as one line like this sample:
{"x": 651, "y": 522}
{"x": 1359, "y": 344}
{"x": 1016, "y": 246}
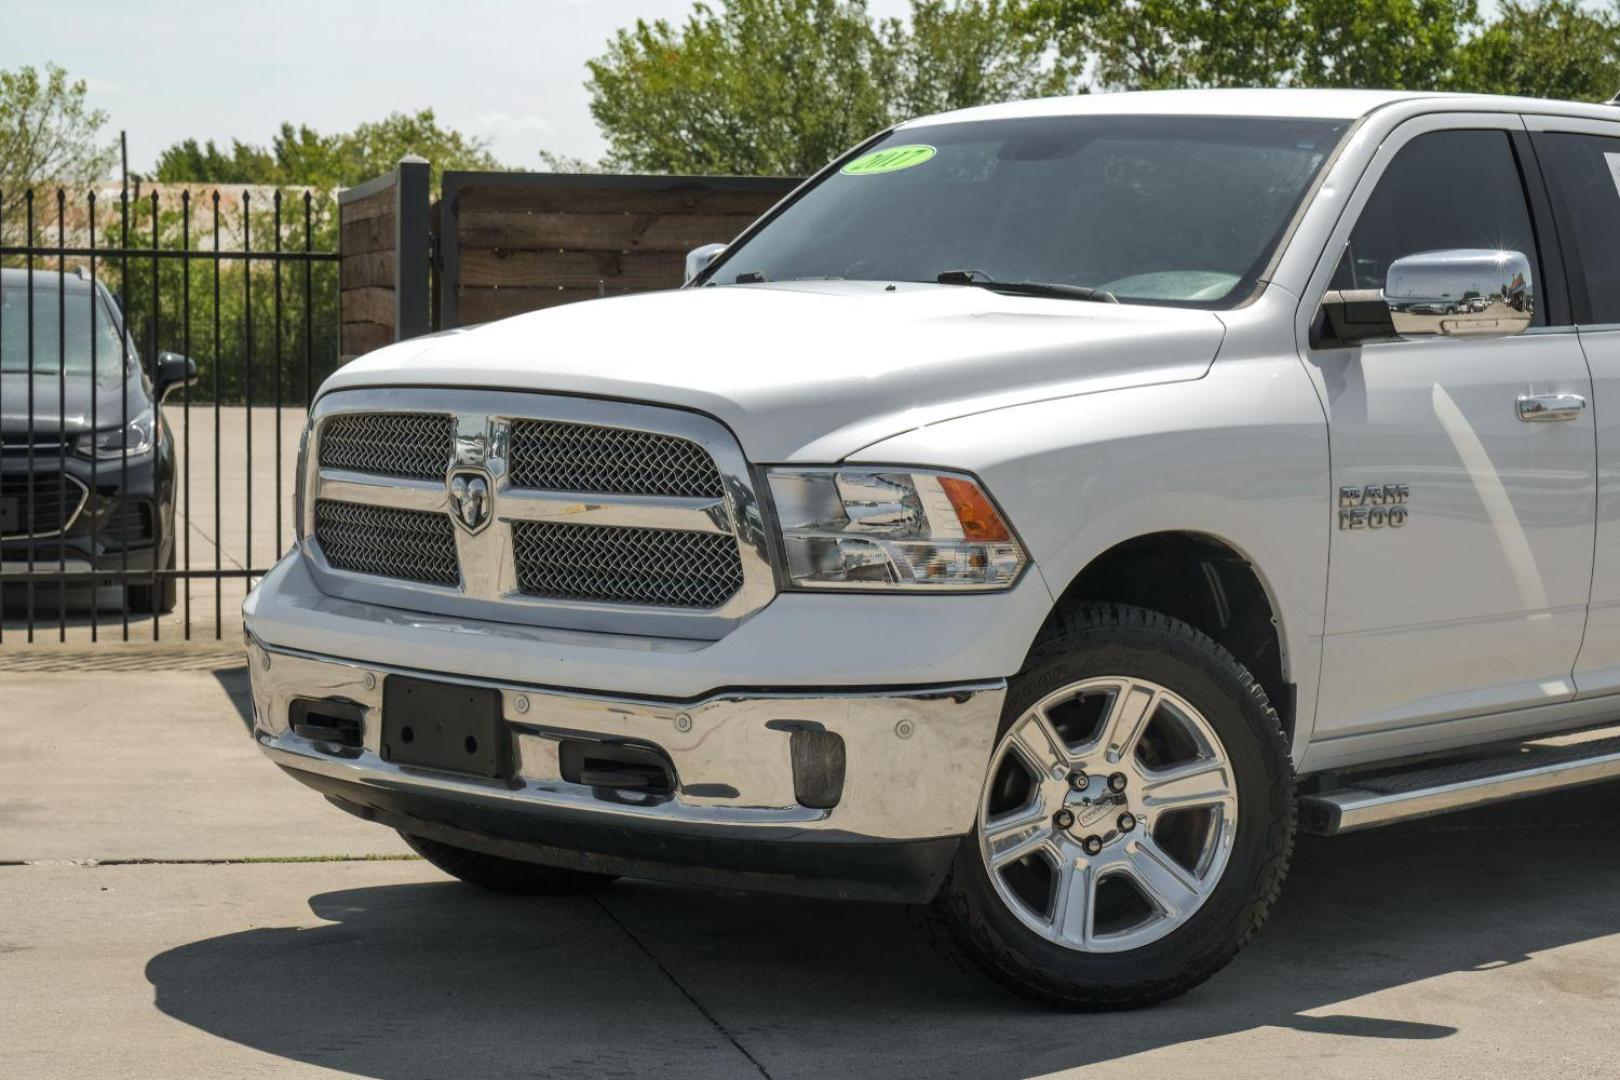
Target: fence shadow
{"x": 438, "y": 979}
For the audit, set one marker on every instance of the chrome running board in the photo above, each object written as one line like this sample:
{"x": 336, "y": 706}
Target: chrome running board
{"x": 1384, "y": 796}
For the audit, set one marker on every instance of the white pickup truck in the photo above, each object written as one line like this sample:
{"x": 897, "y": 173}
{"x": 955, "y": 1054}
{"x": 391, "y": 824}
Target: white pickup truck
{"x": 1029, "y": 519}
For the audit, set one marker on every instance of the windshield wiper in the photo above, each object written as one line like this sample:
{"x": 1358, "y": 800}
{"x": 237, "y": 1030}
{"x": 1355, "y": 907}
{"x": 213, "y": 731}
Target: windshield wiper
{"x": 1025, "y": 288}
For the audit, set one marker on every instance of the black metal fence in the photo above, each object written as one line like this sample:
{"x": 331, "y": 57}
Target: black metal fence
{"x": 140, "y": 334}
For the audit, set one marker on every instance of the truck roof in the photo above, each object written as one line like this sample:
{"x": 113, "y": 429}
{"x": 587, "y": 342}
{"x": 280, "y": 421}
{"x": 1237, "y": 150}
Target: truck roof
{"x": 1314, "y": 104}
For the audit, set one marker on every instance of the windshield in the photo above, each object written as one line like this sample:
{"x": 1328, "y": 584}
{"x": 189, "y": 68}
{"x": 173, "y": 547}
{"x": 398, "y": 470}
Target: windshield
{"x": 50, "y": 347}
{"x": 1177, "y": 210}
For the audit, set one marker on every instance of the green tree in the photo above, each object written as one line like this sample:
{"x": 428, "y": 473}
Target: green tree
{"x": 49, "y": 136}
{"x": 755, "y": 87}
{"x": 1545, "y": 48}
{"x": 188, "y": 160}
{"x": 1167, "y": 44}
{"x": 304, "y": 156}
{"x": 1384, "y": 44}
{"x": 783, "y": 86}
{"x": 955, "y": 55}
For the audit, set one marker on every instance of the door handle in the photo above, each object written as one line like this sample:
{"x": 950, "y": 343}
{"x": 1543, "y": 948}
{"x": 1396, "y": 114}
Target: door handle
{"x": 1542, "y": 408}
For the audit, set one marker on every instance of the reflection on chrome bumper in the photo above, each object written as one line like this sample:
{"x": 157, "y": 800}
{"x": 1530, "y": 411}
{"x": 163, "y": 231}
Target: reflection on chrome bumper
{"x": 915, "y": 758}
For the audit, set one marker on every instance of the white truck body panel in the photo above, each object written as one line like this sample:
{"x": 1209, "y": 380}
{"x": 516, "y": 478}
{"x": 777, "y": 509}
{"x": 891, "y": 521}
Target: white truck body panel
{"x": 1094, "y": 424}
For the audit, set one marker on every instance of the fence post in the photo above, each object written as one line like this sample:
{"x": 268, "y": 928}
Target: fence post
{"x": 412, "y": 316}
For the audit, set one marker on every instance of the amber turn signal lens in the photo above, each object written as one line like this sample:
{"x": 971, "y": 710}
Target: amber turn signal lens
{"x": 978, "y": 518}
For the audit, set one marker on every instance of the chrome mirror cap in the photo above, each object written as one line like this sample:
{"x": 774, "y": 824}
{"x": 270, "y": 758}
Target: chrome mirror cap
{"x": 699, "y": 258}
{"x": 1469, "y": 292}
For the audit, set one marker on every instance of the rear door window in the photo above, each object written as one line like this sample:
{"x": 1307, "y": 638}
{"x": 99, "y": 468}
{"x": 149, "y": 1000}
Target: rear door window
{"x": 1583, "y": 173}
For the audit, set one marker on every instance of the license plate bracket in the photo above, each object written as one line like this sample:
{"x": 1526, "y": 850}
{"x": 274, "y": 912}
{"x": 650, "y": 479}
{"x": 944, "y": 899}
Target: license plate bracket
{"x": 445, "y": 726}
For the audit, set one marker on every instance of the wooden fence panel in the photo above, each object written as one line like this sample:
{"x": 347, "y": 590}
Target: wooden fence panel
{"x": 383, "y": 266}
{"x": 514, "y": 242}
{"x": 366, "y": 239}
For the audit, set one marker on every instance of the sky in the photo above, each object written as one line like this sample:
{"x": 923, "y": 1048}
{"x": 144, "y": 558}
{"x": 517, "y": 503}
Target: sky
{"x": 508, "y": 70}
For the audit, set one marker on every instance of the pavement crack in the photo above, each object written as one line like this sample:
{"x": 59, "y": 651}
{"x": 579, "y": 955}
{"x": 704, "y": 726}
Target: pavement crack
{"x": 684, "y": 992}
{"x": 248, "y": 860}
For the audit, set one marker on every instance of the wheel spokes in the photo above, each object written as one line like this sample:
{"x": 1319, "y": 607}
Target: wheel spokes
{"x": 1128, "y": 717}
{"x": 1174, "y": 891}
{"x": 1053, "y": 829}
{"x": 1201, "y": 782}
{"x": 1039, "y": 744}
{"x": 1010, "y": 837}
{"x": 1074, "y": 899}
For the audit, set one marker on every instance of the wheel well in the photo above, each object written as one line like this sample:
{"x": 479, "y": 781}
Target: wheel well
{"x": 1204, "y": 583}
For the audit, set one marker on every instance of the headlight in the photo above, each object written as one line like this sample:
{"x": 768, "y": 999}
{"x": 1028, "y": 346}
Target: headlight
{"x": 137, "y": 437}
{"x": 886, "y": 528}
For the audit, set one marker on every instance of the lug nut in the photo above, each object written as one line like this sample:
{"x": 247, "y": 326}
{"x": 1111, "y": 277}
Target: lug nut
{"x": 1093, "y": 845}
{"x": 1078, "y": 781}
{"x": 1127, "y": 822}
{"x": 1116, "y": 782}
{"x": 1063, "y": 818}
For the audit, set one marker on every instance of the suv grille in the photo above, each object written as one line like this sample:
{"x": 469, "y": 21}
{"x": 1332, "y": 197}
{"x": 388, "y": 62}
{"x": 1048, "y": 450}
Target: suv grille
{"x": 412, "y": 445}
{"x": 45, "y": 502}
{"x": 658, "y": 567}
{"x": 551, "y": 455}
{"x": 412, "y": 545}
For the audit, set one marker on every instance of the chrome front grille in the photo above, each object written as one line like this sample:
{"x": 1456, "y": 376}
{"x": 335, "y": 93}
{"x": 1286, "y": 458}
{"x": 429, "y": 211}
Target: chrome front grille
{"x": 551, "y": 455}
{"x": 657, "y": 567}
{"x": 407, "y": 544}
{"x": 556, "y": 511}
{"x": 410, "y": 445}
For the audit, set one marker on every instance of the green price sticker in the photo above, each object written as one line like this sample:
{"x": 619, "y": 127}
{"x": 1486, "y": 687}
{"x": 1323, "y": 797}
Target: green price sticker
{"x": 889, "y": 159}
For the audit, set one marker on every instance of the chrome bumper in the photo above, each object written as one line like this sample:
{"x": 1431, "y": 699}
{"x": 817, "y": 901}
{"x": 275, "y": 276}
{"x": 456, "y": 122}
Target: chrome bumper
{"x": 915, "y": 758}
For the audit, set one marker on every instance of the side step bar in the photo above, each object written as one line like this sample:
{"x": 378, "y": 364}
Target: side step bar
{"x": 1385, "y": 796}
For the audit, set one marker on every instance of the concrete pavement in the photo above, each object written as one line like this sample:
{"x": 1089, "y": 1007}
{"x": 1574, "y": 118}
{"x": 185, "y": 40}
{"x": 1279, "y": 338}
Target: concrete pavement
{"x": 1479, "y": 945}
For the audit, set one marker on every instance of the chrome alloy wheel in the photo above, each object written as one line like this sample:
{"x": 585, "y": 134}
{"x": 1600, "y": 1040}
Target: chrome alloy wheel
{"x": 1108, "y": 815}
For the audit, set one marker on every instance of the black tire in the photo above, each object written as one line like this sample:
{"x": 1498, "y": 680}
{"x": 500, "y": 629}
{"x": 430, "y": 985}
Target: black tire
{"x": 146, "y": 600}
{"x": 971, "y": 925}
{"x": 511, "y": 876}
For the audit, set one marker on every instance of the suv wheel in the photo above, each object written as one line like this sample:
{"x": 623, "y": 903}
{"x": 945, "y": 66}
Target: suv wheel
{"x": 1136, "y": 822}
{"x": 504, "y": 875}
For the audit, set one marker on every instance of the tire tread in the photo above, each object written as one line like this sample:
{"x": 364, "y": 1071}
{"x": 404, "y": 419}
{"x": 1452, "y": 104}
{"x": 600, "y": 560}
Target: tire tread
{"x": 964, "y": 938}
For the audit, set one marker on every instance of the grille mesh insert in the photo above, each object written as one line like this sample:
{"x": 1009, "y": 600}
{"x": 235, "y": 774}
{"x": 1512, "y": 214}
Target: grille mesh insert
{"x": 412, "y": 545}
{"x": 45, "y": 501}
{"x": 657, "y": 567}
{"x": 412, "y": 445}
{"x": 550, "y": 455}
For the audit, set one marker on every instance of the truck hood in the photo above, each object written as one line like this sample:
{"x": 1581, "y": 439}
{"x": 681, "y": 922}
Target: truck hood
{"x": 812, "y": 371}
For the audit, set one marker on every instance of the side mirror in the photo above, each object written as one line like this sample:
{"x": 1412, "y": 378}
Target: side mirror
{"x": 1466, "y": 292}
{"x": 174, "y": 370}
{"x": 699, "y": 258}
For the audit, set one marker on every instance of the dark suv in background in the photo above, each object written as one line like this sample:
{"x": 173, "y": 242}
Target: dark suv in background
{"x": 87, "y": 467}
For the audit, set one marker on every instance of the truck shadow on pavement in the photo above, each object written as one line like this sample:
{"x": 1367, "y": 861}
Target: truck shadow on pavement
{"x": 437, "y": 979}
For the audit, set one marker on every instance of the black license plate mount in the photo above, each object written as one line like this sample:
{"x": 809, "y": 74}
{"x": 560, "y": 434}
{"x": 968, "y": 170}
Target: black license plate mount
{"x": 445, "y": 726}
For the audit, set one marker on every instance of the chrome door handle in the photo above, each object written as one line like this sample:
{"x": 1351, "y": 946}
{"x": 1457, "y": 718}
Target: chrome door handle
{"x": 1540, "y": 408}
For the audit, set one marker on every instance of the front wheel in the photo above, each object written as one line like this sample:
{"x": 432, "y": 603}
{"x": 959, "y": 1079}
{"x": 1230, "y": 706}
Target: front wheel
{"x": 1136, "y": 821}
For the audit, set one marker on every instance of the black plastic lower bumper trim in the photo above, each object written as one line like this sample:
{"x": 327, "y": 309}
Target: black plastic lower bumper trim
{"x": 816, "y": 864}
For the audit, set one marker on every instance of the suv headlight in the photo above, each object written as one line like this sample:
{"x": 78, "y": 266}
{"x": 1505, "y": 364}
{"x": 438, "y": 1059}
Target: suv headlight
{"x": 134, "y": 439}
{"x": 892, "y": 528}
